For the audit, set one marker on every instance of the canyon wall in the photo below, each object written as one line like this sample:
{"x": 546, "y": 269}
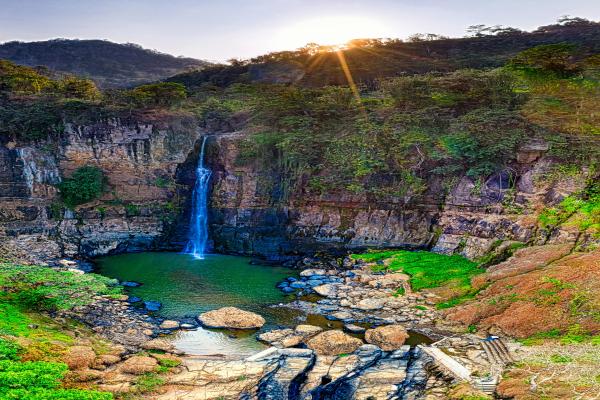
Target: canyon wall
{"x": 249, "y": 216}
{"x": 150, "y": 167}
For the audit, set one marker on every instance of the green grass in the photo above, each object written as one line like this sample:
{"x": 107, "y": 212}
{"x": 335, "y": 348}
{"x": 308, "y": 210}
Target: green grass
{"x": 148, "y": 382}
{"x": 573, "y": 335}
{"x": 426, "y": 269}
{"x": 43, "y": 288}
{"x": 28, "y": 334}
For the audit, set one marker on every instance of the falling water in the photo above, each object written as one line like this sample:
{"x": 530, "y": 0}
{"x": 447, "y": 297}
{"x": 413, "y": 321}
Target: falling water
{"x": 198, "y": 237}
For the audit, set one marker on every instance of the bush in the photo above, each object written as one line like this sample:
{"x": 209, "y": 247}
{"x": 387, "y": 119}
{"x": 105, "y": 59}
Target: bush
{"x": 9, "y": 350}
{"x": 163, "y": 94}
{"x": 84, "y": 185}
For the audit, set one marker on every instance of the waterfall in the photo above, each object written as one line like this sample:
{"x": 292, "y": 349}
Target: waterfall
{"x": 198, "y": 236}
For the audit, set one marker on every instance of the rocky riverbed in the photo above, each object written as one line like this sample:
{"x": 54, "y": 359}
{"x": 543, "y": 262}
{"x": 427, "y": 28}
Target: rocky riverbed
{"x": 366, "y": 359}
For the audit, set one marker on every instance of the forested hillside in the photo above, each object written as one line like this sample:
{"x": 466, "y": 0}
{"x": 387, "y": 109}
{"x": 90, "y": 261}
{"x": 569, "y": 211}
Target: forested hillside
{"x": 106, "y": 63}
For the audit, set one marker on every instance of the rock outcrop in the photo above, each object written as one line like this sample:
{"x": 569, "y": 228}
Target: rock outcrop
{"x": 231, "y": 318}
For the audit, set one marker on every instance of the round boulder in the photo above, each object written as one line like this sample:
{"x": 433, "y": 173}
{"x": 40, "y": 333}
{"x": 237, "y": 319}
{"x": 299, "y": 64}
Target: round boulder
{"x": 80, "y": 357}
{"x": 332, "y": 343}
{"x": 139, "y": 365}
{"x": 232, "y": 318}
{"x": 388, "y": 338}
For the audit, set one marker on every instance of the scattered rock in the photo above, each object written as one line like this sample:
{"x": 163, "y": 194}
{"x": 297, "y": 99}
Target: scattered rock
{"x": 231, "y": 317}
{"x": 370, "y": 304}
{"x": 389, "y": 337}
{"x": 311, "y": 272}
{"x": 354, "y": 328}
{"x": 330, "y": 343}
{"x": 158, "y": 344}
{"x": 169, "y": 324}
{"x": 134, "y": 299}
{"x": 308, "y": 330}
{"x": 152, "y": 305}
{"x": 80, "y": 357}
{"x": 340, "y": 315}
{"x": 130, "y": 284}
{"x": 139, "y": 365}
{"x": 108, "y": 359}
{"x": 327, "y": 290}
{"x": 275, "y": 335}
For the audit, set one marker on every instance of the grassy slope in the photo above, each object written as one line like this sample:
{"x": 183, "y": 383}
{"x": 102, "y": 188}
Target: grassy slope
{"x": 32, "y": 345}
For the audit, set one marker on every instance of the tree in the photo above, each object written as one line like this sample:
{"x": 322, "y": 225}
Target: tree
{"x": 555, "y": 59}
{"x": 74, "y": 87}
{"x": 163, "y": 94}
{"x": 478, "y": 30}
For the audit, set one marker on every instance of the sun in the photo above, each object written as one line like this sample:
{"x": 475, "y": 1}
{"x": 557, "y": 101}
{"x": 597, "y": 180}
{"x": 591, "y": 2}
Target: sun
{"x": 330, "y": 31}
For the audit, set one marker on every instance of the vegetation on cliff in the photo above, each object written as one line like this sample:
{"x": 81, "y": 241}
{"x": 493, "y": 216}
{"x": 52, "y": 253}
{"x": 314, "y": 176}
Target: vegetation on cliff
{"x": 85, "y": 184}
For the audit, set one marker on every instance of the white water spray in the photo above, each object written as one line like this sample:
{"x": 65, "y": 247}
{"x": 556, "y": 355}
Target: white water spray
{"x": 198, "y": 236}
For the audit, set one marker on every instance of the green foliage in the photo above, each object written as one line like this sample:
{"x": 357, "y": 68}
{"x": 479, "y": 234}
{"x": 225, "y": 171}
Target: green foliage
{"x": 475, "y": 141}
{"x": 85, "y": 184}
{"x": 31, "y": 118}
{"x": 163, "y": 94}
{"x": 560, "y": 358}
{"x": 49, "y": 289}
{"x": 22, "y": 80}
{"x": 132, "y": 210}
{"x": 9, "y": 350}
{"x": 40, "y": 380}
{"x": 553, "y": 59}
{"x": 581, "y": 210}
{"x": 12, "y": 321}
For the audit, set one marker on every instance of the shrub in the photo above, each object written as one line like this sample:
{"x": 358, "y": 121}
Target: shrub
{"x": 9, "y": 350}
{"x": 163, "y": 94}
{"x": 85, "y": 184}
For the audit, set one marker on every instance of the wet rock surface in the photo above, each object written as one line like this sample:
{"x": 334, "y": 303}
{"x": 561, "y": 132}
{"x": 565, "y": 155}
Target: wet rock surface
{"x": 116, "y": 320}
{"x": 295, "y": 374}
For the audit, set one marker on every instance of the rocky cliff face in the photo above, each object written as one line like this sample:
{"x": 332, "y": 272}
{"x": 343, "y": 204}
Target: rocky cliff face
{"x": 248, "y": 215}
{"x": 150, "y": 168}
{"x": 142, "y": 162}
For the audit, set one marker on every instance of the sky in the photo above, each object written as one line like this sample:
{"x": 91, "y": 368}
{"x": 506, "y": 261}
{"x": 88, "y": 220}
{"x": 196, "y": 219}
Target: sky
{"x": 222, "y": 29}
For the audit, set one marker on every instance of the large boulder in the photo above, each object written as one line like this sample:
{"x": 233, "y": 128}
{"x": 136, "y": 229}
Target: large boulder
{"x": 331, "y": 343}
{"x": 159, "y": 344}
{"x": 232, "y": 318}
{"x": 139, "y": 365}
{"x": 388, "y": 338}
{"x": 79, "y": 357}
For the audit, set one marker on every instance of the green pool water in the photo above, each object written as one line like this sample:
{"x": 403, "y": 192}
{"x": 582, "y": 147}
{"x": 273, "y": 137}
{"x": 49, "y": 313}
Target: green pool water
{"x": 187, "y": 287}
